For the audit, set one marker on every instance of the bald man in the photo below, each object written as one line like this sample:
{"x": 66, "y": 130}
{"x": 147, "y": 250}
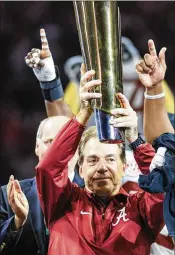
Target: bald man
{"x": 22, "y": 225}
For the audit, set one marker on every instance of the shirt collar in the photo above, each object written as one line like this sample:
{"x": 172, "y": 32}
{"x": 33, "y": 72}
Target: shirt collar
{"x": 120, "y": 197}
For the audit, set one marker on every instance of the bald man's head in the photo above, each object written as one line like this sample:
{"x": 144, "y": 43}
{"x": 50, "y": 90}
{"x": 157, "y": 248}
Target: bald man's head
{"x": 47, "y": 131}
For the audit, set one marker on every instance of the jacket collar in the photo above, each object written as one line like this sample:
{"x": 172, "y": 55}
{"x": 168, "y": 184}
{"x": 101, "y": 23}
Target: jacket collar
{"x": 119, "y": 200}
{"x": 121, "y": 192}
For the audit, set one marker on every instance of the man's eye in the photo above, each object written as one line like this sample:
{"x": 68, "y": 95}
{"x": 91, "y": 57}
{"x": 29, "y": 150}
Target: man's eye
{"x": 110, "y": 160}
{"x": 92, "y": 161}
{"x": 48, "y": 142}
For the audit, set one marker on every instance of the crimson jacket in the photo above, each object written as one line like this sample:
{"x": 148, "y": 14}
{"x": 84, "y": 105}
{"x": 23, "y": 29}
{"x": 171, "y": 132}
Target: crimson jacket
{"x": 77, "y": 220}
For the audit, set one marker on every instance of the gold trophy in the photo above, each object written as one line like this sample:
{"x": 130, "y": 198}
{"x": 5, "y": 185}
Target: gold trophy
{"x": 98, "y": 25}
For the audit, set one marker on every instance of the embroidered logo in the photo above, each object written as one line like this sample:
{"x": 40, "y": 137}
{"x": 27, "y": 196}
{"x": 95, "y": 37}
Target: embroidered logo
{"x": 82, "y": 212}
{"x": 122, "y": 216}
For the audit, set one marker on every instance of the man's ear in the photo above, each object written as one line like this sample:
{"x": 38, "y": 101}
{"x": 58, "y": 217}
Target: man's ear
{"x": 124, "y": 168}
{"x": 81, "y": 172}
{"x": 36, "y": 148}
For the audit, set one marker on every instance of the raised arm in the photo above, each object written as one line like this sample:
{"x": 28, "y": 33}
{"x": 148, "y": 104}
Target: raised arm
{"x": 41, "y": 62}
{"x": 54, "y": 187}
{"x": 151, "y": 73}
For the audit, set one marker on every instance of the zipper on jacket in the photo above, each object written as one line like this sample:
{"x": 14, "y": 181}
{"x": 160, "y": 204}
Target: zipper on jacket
{"x": 103, "y": 214}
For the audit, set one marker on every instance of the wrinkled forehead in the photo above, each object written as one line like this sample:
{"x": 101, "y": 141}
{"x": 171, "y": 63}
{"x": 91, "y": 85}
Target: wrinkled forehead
{"x": 96, "y": 148}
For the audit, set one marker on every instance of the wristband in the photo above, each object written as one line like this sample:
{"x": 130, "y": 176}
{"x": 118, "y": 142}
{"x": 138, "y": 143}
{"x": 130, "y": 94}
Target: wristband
{"x": 52, "y": 90}
{"x": 154, "y": 96}
{"x": 137, "y": 142}
{"x": 53, "y": 94}
{"x": 52, "y": 84}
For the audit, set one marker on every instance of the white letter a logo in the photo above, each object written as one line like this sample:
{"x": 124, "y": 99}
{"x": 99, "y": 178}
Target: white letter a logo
{"x": 122, "y": 215}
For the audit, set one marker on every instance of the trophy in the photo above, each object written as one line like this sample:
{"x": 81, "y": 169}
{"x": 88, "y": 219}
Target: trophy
{"x": 99, "y": 30}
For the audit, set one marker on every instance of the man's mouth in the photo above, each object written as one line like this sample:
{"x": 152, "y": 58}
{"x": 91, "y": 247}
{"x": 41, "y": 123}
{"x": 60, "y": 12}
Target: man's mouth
{"x": 101, "y": 178}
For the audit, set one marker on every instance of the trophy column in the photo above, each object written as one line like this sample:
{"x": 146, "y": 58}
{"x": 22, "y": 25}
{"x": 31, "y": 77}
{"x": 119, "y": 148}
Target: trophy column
{"x": 98, "y": 25}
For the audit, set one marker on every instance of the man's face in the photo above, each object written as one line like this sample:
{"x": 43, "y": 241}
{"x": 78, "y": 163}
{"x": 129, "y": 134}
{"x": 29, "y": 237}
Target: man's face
{"x": 49, "y": 130}
{"x": 102, "y": 168}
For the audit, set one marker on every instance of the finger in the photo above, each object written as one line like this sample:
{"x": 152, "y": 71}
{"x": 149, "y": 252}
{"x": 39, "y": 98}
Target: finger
{"x": 91, "y": 84}
{"x": 28, "y": 58}
{"x": 86, "y": 96}
{"x": 17, "y": 200}
{"x": 139, "y": 69}
{"x": 123, "y": 124}
{"x": 30, "y": 65}
{"x": 145, "y": 68}
{"x": 44, "y": 42}
{"x": 9, "y": 185}
{"x": 27, "y": 61}
{"x": 11, "y": 194}
{"x": 152, "y": 48}
{"x": 9, "y": 190}
{"x": 86, "y": 77}
{"x": 34, "y": 50}
{"x": 11, "y": 178}
{"x": 120, "y": 119}
{"x": 17, "y": 186}
{"x": 123, "y": 101}
{"x": 29, "y": 55}
{"x": 35, "y": 55}
{"x": 20, "y": 197}
{"x": 83, "y": 69}
{"x": 36, "y": 59}
{"x": 148, "y": 60}
{"x": 162, "y": 55}
{"x": 120, "y": 111}
{"x": 41, "y": 63}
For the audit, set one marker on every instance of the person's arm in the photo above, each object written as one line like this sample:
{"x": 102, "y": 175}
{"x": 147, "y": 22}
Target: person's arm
{"x": 41, "y": 62}
{"x": 156, "y": 121}
{"x": 54, "y": 186}
{"x": 143, "y": 155}
{"x": 151, "y": 73}
{"x": 57, "y": 108}
{"x": 9, "y": 234}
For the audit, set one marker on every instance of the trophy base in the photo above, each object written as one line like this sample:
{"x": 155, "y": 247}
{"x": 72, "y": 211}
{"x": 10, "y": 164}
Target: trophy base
{"x": 107, "y": 133}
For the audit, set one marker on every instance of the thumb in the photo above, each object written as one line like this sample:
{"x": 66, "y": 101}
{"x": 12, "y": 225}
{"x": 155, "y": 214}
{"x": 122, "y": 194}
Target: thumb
{"x": 123, "y": 101}
{"x": 162, "y": 56}
{"x": 83, "y": 69}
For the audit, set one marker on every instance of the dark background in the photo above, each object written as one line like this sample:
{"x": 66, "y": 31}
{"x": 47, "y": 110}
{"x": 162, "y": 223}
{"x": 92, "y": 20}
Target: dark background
{"x": 21, "y": 102}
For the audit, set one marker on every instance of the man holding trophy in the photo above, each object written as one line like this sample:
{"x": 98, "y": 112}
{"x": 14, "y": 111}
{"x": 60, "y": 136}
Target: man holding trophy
{"x": 101, "y": 218}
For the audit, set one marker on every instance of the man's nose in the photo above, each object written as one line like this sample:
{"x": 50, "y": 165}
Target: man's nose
{"x": 101, "y": 168}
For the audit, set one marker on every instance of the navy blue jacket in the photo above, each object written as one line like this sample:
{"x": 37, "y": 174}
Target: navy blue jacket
{"x": 32, "y": 234}
{"x": 163, "y": 180}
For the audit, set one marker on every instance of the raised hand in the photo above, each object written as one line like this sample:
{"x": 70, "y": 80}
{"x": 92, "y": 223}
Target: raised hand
{"x": 17, "y": 201}
{"x": 86, "y": 94}
{"x": 151, "y": 70}
{"x": 41, "y": 61}
{"x": 125, "y": 117}
{"x": 86, "y": 86}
